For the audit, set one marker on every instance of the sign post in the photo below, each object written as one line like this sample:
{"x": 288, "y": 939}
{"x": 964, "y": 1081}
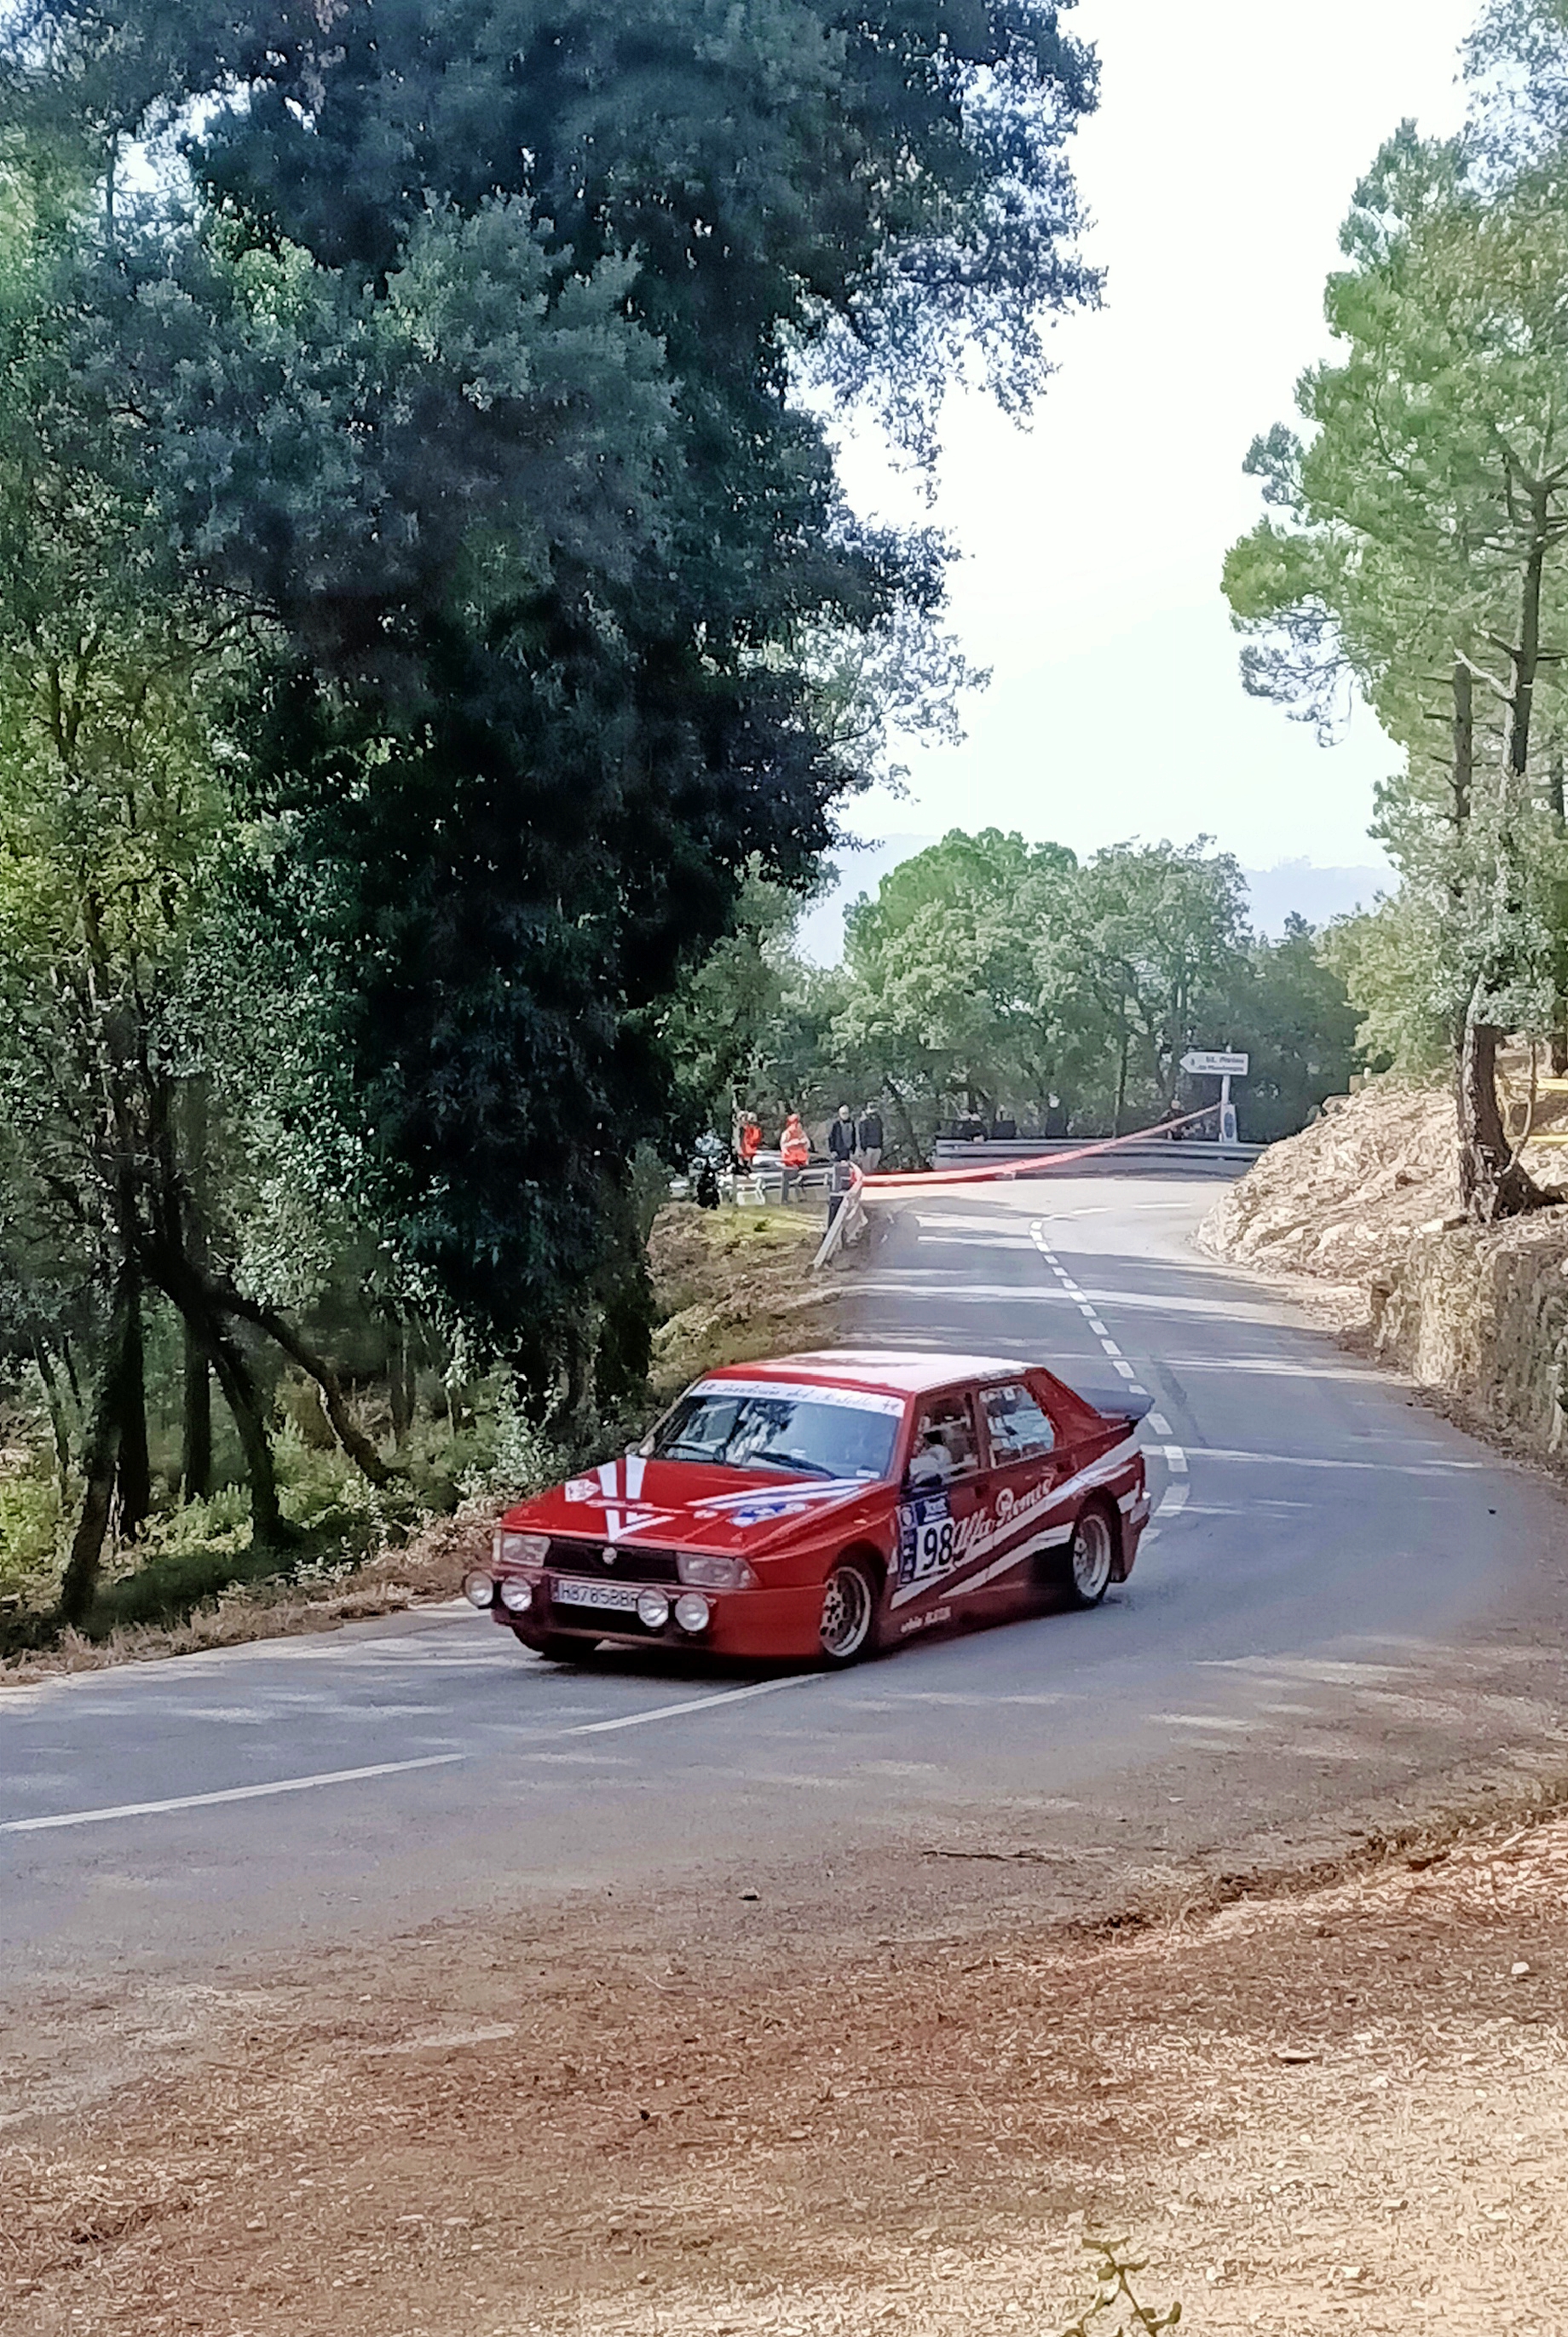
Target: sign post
{"x": 1223, "y": 1067}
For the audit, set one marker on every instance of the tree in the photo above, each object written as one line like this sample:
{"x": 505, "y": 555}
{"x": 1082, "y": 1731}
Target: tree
{"x": 470, "y": 372}
{"x": 119, "y": 845}
{"x": 1422, "y": 553}
{"x": 945, "y": 1000}
{"x": 1152, "y": 930}
{"x": 1284, "y": 1004}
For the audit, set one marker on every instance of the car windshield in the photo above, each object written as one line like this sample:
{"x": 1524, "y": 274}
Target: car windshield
{"x": 751, "y": 1427}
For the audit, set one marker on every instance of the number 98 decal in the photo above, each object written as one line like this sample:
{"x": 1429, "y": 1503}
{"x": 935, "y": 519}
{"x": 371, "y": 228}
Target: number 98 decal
{"x": 928, "y": 1538}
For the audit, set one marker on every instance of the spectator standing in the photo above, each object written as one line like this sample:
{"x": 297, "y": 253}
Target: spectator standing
{"x": 841, "y": 1153}
{"x": 748, "y": 1144}
{"x": 869, "y": 1141}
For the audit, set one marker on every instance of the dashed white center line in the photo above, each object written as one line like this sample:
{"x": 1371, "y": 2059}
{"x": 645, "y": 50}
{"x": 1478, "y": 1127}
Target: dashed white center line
{"x": 1174, "y": 1458}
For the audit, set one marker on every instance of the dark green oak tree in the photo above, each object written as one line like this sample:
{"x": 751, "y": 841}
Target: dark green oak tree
{"x": 470, "y": 366}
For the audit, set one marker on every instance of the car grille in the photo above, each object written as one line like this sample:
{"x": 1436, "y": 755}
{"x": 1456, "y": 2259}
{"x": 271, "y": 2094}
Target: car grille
{"x": 633, "y": 1565}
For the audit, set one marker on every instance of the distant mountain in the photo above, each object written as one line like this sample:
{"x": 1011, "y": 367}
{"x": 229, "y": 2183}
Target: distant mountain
{"x": 1293, "y": 886}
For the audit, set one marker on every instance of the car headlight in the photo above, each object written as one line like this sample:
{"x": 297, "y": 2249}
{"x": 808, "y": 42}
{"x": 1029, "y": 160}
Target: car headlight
{"x": 716, "y": 1573}
{"x": 653, "y": 1609}
{"x": 520, "y": 1549}
{"x": 516, "y": 1595}
{"x": 479, "y": 1590}
{"x": 692, "y": 1612}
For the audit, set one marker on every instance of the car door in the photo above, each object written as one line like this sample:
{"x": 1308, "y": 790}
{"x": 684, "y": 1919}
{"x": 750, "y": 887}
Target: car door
{"x": 944, "y": 1510}
{"x": 1027, "y": 1462}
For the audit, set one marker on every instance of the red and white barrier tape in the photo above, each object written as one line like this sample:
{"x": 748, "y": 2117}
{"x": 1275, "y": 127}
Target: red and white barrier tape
{"x": 862, "y": 1187}
{"x": 916, "y": 1180}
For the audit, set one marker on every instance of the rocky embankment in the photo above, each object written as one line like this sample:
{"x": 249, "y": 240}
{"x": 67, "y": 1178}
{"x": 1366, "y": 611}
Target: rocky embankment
{"x": 1360, "y": 1212}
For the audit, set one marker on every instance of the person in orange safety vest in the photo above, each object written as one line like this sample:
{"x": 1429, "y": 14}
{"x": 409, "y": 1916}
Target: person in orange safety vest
{"x": 795, "y": 1151}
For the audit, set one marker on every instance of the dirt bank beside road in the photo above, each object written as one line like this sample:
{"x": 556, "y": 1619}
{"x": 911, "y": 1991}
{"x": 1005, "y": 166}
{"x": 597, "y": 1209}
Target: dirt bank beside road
{"x": 1333, "y": 2108}
{"x": 1357, "y": 1217}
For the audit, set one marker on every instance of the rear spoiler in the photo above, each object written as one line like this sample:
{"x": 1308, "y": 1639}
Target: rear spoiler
{"x": 1117, "y": 1402}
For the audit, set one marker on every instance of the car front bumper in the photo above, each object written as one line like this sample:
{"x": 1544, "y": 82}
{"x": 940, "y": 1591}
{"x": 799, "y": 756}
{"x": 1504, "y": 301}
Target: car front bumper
{"x": 756, "y": 1625}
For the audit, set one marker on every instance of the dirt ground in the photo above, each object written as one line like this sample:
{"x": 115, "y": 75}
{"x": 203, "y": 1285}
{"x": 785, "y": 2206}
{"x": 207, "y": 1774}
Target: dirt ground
{"x": 1329, "y": 1213}
{"x": 736, "y": 1283}
{"x": 1343, "y": 2108}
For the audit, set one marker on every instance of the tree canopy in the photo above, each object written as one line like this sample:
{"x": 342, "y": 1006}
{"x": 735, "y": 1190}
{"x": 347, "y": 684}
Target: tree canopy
{"x": 1415, "y": 547}
{"x": 436, "y": 612}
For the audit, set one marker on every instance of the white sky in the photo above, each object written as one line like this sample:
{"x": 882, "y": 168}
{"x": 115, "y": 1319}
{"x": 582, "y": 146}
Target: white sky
{"x": 1229, "y": 137}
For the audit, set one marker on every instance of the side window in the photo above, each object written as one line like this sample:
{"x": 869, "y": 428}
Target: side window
{"x": 946, "y": 1447}
{"x": 1019, "y": 1430}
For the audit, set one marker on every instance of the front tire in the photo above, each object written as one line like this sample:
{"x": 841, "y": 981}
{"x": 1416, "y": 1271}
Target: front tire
{"x": 1090, "y": 1561}
{"x": 848, "y": 1628}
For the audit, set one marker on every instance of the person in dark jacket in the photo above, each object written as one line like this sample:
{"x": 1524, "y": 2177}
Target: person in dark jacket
{"x": 841, "y": 1136}
{"x": 869, "y": 1141}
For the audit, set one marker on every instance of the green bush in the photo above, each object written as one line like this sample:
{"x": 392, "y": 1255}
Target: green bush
{"x": 29, "y": 1530}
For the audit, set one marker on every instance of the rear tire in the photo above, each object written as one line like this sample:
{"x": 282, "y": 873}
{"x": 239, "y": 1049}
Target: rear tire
{"x": 848, "y": 1628}
{"x": 1089, "y": 1561}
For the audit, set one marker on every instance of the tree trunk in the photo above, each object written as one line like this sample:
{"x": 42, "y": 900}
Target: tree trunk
{"x": 352, "y": 1439}
{"x": 135, "y": 1473}
{"x": 1121, "y": 1084}
{"x": 186, "y": 1225}
{"x": 100, "y": 1455}
{"x": 571, "y": 1415}
{"x": 243, "y": 1398}
{"x": 200, "y": 1311}
{"x": 400, "y": 1383}
{"x": 912, "y": 1141}
{"x": 1554, "y": 789}
{"x": 196, "y": 1425}
{"x": 1463, "y": 779}
{"x": 59, "y": 1424}
{"x": 1491, "y": 1184}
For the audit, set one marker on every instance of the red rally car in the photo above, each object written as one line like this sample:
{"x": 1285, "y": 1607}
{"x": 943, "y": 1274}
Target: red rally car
{"x": 818, "y": 1508}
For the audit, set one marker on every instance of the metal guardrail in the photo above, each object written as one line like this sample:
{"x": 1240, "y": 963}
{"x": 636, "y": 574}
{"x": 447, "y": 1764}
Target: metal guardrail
{"x": 1191, "y": 1157}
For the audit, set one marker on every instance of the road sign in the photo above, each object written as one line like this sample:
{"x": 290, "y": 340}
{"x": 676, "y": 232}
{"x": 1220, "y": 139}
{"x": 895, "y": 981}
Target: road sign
{"x": 1216, "y": 1067}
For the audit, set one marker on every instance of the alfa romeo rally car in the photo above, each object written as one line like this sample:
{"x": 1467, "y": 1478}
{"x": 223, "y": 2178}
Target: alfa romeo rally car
{"x": 826, "y": 1505}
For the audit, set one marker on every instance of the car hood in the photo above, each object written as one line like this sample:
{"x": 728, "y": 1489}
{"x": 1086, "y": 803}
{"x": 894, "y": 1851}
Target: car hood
{"x": 687, "y": 1503}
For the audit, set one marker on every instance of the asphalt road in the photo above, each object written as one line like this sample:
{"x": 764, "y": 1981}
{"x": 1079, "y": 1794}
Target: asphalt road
{"x": 1344, "y": 1607}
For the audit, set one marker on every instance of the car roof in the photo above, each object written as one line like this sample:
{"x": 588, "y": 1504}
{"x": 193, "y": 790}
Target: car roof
{"x": 894, "y": 1371}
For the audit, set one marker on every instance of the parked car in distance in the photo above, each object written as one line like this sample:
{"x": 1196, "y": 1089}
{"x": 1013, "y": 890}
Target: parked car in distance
{"x": 824, "y": 1506}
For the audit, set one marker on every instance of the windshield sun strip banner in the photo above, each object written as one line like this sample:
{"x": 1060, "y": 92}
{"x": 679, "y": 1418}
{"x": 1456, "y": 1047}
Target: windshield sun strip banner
{"x": 806, "y": 1392}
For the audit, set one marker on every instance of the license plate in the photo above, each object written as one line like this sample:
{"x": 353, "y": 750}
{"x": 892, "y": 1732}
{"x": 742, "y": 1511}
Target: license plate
{"x": 619, "y": 1597}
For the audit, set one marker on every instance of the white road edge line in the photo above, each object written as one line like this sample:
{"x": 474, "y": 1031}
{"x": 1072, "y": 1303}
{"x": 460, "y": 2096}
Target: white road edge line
{"x": 231, "y": 1793}
{"x": 1160, "y": 1424}
{"x": 694, "y": 1704}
